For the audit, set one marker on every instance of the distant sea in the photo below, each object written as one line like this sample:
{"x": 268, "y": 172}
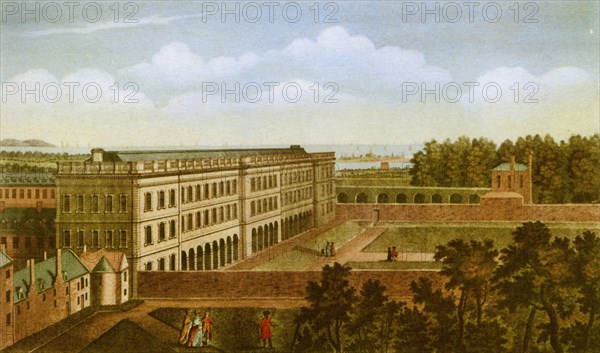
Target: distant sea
{"x": 340, "y": 150}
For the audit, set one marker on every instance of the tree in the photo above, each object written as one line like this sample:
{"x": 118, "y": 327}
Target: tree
{"x": 469, "y": 268}
{"x": 440, "y": 311}
{"x": 372, "y": 323}
{"x": 586, "y": 270}
{"x": 331, "y": 302}
{"x": 534, "y": 273}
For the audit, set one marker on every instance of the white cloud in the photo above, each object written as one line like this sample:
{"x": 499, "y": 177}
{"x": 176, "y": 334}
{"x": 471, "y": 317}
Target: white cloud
{"x": 108, "y": 25}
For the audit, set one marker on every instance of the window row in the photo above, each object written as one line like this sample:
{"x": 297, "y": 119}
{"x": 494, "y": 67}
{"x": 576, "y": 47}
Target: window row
{"x": 26, "y": 223}
{"x": 163, "y": 228}
{"x": 327, "y": 189}
{"x": 299, "y": 195}
{"x": 207, "y": 218}
{"x": 94, "y": 238}
{"x": 263, "y": 183}
{"x": 28, "y": 242}
{"x": 296, "y": 177}
{"x": 327, "y": 208}
{"x": 208, "y": 191}
{"x": 161, "y": 264}
{"x": 95, "y": 201}
{"x": 326, "y": 172}
{"x": 189, "y": 194}
{"x": 12, "y": 193}
{"x": 267, "y": 204}
{"x": 509, "y": 181}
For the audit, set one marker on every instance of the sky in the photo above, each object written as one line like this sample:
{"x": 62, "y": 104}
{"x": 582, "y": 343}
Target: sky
{"x": 151, "y": 73}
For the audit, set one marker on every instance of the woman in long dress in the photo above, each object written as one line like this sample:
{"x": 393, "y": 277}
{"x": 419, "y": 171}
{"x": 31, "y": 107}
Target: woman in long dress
{"x": 195, "y": 335}
{"x": 185, "y": 327}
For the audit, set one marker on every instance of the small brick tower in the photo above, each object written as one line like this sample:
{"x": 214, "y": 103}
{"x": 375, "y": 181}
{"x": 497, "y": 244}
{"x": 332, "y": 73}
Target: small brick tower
{"x": 514, "y": 177}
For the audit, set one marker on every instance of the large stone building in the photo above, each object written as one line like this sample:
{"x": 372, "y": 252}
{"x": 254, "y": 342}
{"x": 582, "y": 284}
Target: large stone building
{"x": 191, "y": 210}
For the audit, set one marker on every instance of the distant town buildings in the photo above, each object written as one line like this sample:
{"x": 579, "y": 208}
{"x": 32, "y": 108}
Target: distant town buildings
{"x": 27, "y": 214}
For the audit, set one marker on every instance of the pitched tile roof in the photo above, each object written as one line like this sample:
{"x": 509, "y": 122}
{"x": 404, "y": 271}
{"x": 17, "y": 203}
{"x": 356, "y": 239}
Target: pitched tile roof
{"x": 506, "y": 166}
{"x": 45, "y": 274}
{"x": 114, "y": 261}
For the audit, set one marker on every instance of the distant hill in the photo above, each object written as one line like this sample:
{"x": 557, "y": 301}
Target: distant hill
{"x": 25, "y": 143}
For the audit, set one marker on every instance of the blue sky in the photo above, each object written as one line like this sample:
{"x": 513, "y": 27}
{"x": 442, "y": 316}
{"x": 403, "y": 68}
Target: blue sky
{"x": 356, "y": 64}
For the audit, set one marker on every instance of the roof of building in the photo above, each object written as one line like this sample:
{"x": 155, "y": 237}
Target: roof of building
{"x": 4, "y": 259}
{"x": 507, "y": 166}
{"x": 45, "y": 274}
{"x": 27, "y": 179}
{"x": 104, "y": 261}
{"x": 158, "y": 155}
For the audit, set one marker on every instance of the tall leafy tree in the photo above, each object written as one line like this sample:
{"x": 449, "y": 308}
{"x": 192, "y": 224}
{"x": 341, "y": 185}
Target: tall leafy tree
{"x": 469, "y": 267}
{"x": 534, "y": 273}
{"x": 330, "y": 304}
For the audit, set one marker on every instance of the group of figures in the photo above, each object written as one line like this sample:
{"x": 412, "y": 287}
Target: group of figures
{"x": 196, "y": 331}
{"x": 328, "y": 250}
{"x": 392, "y": 254}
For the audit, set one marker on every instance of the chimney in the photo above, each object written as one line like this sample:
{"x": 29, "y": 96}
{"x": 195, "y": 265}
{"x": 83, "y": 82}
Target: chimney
{"x": 512, "y": 163}
{"x": 530, "y": 161}
{"x": 59, "y": 275}
{"x": 31, "y": 265}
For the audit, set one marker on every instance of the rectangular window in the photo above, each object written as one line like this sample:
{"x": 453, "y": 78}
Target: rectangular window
{"x": 123, "y": 239}
{"x": 122, "y": 203}
{"x": 162, "y": 234}
{"x": 234, "y": 213}
{"x": 161, "y": 264}
{"x": 206, "y": 220}
{"x": 149, "y": 266}
{"x": 190, "y": 220}
{"x": 172, "y": 198}
{"x": 190, "y": 194}
{"x": 172, "y": 229}
{"x": 8, "y": 296}
{"x": 198, "y": 219}
{"x": 95, "y": 239}
{"x": 182, "y": 195}
{"x": 148, "y": 232}
{"x": 109, "y": 239}
{"x": 206, "y": 192}
{"x": 14, "y": 193}
{"x": 79, "y": 203}
{"x": 95, "y": 204}
{"x": 161, "y": 199}
{"x": 37, "y": 193}
{"x": 66, "y": 203}
{"x": 66, "y": 240}
{"x": 198, "y": 193}
{"x": 80, "y": 238}
{"x": 147, "y": 201}
{"x": 498, "y": 181}
{"x": 45, "y": 193}
{"x": 109, "y": 204}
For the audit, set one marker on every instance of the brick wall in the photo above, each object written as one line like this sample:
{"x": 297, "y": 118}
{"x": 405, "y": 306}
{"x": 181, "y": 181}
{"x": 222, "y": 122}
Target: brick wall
{"x": 488, "y": 210}
{"x": 262, "y": 284}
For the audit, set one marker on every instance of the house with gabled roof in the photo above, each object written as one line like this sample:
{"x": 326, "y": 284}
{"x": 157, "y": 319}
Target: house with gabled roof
{"x": 109, "y": 276}
{"x": 48, "y": 291}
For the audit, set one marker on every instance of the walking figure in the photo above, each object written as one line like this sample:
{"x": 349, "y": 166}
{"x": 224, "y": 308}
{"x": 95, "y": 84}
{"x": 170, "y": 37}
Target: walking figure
{"x": 327, "y": 250}
{"x": 332, "y": 250}
{"x": 265, "y": 330}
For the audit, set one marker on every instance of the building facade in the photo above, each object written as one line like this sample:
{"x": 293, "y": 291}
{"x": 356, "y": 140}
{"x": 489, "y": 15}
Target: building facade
{"x": 191, "y": 210}
{"x": 27, "y": 213}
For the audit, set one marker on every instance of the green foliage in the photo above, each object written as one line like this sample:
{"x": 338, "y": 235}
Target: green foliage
{"x": 539, "y": 294}
{"x": 565, "y": 171}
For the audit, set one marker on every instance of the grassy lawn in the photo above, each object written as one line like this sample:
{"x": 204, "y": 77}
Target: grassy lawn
{"x": 424, "y": 237}
{"x": 236, "y": 329}
{"x": 396, "y": 265}
{"x": 304, "y": 255}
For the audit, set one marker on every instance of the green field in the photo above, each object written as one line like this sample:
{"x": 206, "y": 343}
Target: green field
{"x": 236, "y": 329}
{"x": 306, "y": 254}
{"x": 424, "y": 237}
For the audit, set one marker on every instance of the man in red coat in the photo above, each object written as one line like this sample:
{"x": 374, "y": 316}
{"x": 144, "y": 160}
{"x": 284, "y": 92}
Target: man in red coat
{"x": 265, "y": 329}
